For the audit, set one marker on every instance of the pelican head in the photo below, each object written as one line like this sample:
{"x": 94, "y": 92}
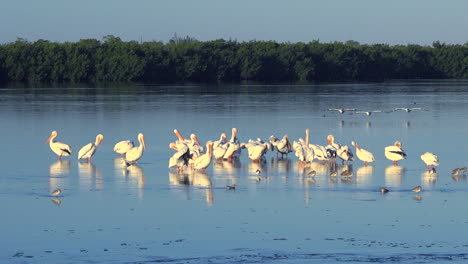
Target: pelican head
{"x": 194, "y": 138}
{"x": 398, "y": 144}
{"x": 141, "y": 138}
{"x": 52, "y": 135}
{"x": 99, "y": 138}
{"x": 234, "y": 132}
{"x": 223, "y": 137}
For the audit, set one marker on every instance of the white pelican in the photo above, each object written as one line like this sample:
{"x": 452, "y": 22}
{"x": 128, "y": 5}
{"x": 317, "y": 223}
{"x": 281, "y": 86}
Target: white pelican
{"x": 363, "y": 154}
{"x": 59, "y": 148}
{"x": 123, "y": 146}
{"x": 407, "y": 110}
{"x": 303, "y": 150}
{"x": 203, "y": 161}
{"x": 135, "y": 153}
{"x": 87, "y": 151}
{"x": 256, "y": 149}
{"x": 181, "y": 158}
{"x": 222, "y": 140}
{"x": 282, "y": 146}
{"x": 430, "y": 159}
{"x": 395, "y": 153}
{"x": 233, "y": 151}
{"x": 332, "y": 147}
{"x": 345, "y": 154}
{"x": 341, "y": 110}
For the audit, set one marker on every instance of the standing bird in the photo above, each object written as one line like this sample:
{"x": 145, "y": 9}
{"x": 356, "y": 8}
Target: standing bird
{"x": 123, "y": 146}
{"x": 233, "y": 150}
{"x": 203, "y": 161}
{"x": 282, "y": 146}
{"x": 135, "y": 153}
{"x": 395, "y": 152}
{"x": 430, "y": 159}
{"x": 56, "y": 192}
{"x": 181, "y": 158}
{"x": 59, "y": 148}
{"x": 363, "y": 154}
{"x": 88, "y": 151}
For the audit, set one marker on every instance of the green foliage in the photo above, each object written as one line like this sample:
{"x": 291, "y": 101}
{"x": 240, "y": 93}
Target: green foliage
{"x": 187, "y": 59}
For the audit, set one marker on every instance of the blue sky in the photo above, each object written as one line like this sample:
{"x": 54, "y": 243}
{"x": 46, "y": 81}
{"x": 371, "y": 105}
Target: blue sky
{"x": 366, "y": 21}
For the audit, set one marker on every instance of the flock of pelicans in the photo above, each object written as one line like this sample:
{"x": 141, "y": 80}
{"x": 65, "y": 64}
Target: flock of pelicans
{"x": 189, "y": 153}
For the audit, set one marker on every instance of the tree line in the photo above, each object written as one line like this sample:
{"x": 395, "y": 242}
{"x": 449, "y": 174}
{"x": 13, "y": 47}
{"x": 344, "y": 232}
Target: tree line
{"x": 189, "y": 60}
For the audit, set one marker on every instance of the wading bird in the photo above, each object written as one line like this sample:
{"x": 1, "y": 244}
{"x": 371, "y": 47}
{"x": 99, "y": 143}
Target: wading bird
{"x": 59, "y": 148}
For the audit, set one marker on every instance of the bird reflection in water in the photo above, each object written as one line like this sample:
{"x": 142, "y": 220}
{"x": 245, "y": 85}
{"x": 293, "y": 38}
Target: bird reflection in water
{"x": 459, "y": 178}
{"x": 56, "y": 201}
{"x": 135, "y": 175}
{"x": 57, "y": 172}
{"x": 428, "y": 178}
{"x": 364, "y": 175}
{"x": 228, "y": 169}
{"x": 394, "y": 175}
{"x": 194, "y": 178}
{"x": 59, "y": 168}
{"x": 90, "y": 177}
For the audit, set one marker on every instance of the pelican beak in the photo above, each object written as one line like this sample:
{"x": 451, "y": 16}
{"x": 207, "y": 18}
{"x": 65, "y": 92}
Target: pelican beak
{"x": 173, "y": 146}
{"x": 143, "y": 142}
{"x": 329, "y": 141}
{"x": 196, "y": 140}
{"x": 179, "y": 136}
{"x": 50, "y": 137}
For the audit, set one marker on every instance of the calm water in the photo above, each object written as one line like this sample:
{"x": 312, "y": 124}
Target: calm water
{"x": 108, "y": 214}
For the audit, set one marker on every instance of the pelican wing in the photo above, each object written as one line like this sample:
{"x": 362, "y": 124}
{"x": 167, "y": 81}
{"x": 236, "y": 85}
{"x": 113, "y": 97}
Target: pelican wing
{"x": 86, "y": 151}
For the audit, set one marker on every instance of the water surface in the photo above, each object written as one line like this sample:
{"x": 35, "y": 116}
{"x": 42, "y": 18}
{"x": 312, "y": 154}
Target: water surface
{"x": 109, "y": 214}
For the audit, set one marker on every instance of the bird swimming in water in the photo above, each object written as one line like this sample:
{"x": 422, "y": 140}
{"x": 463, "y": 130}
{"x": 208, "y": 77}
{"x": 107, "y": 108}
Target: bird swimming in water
{"x": 384, "y": 190}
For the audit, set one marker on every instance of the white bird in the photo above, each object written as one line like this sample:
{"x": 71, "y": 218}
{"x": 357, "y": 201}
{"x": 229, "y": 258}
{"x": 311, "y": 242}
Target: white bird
{"x": 59, "y": 148}
{"x": 233, "y": 150}
{"x": 135, "y": 153}
{"x": 345, "y": 154}
{"x": 123, "y": 146}
{"x": 407, "y": 110}
{"x": 181, "y": 158}
{"x": 368, "y": 113}
{"x": 430, "y": 159}
{"x": 332, "y": 146}
{"x": 363, "y": 154}
{"x": 203, "y": 161}
{"x": 256, "y": 149}
{"x": 282, "y": 146}
{"x": 88, "y": 151}
{"x": 222, "y": 140}
{"x": 341, "y": 110}
{"x": 303, "y": 150}
{"x": 395, "y": 152}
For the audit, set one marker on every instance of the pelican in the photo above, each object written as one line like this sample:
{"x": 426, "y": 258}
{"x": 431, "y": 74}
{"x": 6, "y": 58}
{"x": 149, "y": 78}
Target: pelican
{"x": 368, "y": 113}
{"x": 407, "y": 110}
{"x": 430, "y": 159}
{"x": 345, "y": 154}
{"x": 395, "y": 152}
{"x": 332, "y": 147}
{"x": 123, "y": 146}
{"x": 59, "y": 148}
{"x": 181, "y": 158}
{"x": 88, "y": 151}
{"x": 282, "y": 146}
{"x": 203, "y": 161}
{"x": 363, "y": 154}
{"x": 233, "y": 151}
{"x": 222, "y": 140}
{"x": 341, "y": 110}
{"x": 303, "y": 150}
{"x": 256, "y": 149}
{"x": 135, "y": 153}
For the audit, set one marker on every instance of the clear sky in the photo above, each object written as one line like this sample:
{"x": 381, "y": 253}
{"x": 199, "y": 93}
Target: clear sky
{"x": 366, "y": 21}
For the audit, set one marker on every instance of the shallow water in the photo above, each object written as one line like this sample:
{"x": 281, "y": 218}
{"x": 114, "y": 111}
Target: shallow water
{"x": 148, "y": 213}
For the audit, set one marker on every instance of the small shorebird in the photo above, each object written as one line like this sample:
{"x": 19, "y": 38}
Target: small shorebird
{"x": 333, "y": 173}
{"x": 258, "y": 172}
{"x": 347, "y": 173}
{"x": 56, "y": 192}
{"x": 312, "y": 173}
{"x": 231, "y": 187}
{"x": 417, "y": 189}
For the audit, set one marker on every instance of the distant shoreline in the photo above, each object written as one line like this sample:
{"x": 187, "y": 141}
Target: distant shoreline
{"x": 187, "y": 60}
